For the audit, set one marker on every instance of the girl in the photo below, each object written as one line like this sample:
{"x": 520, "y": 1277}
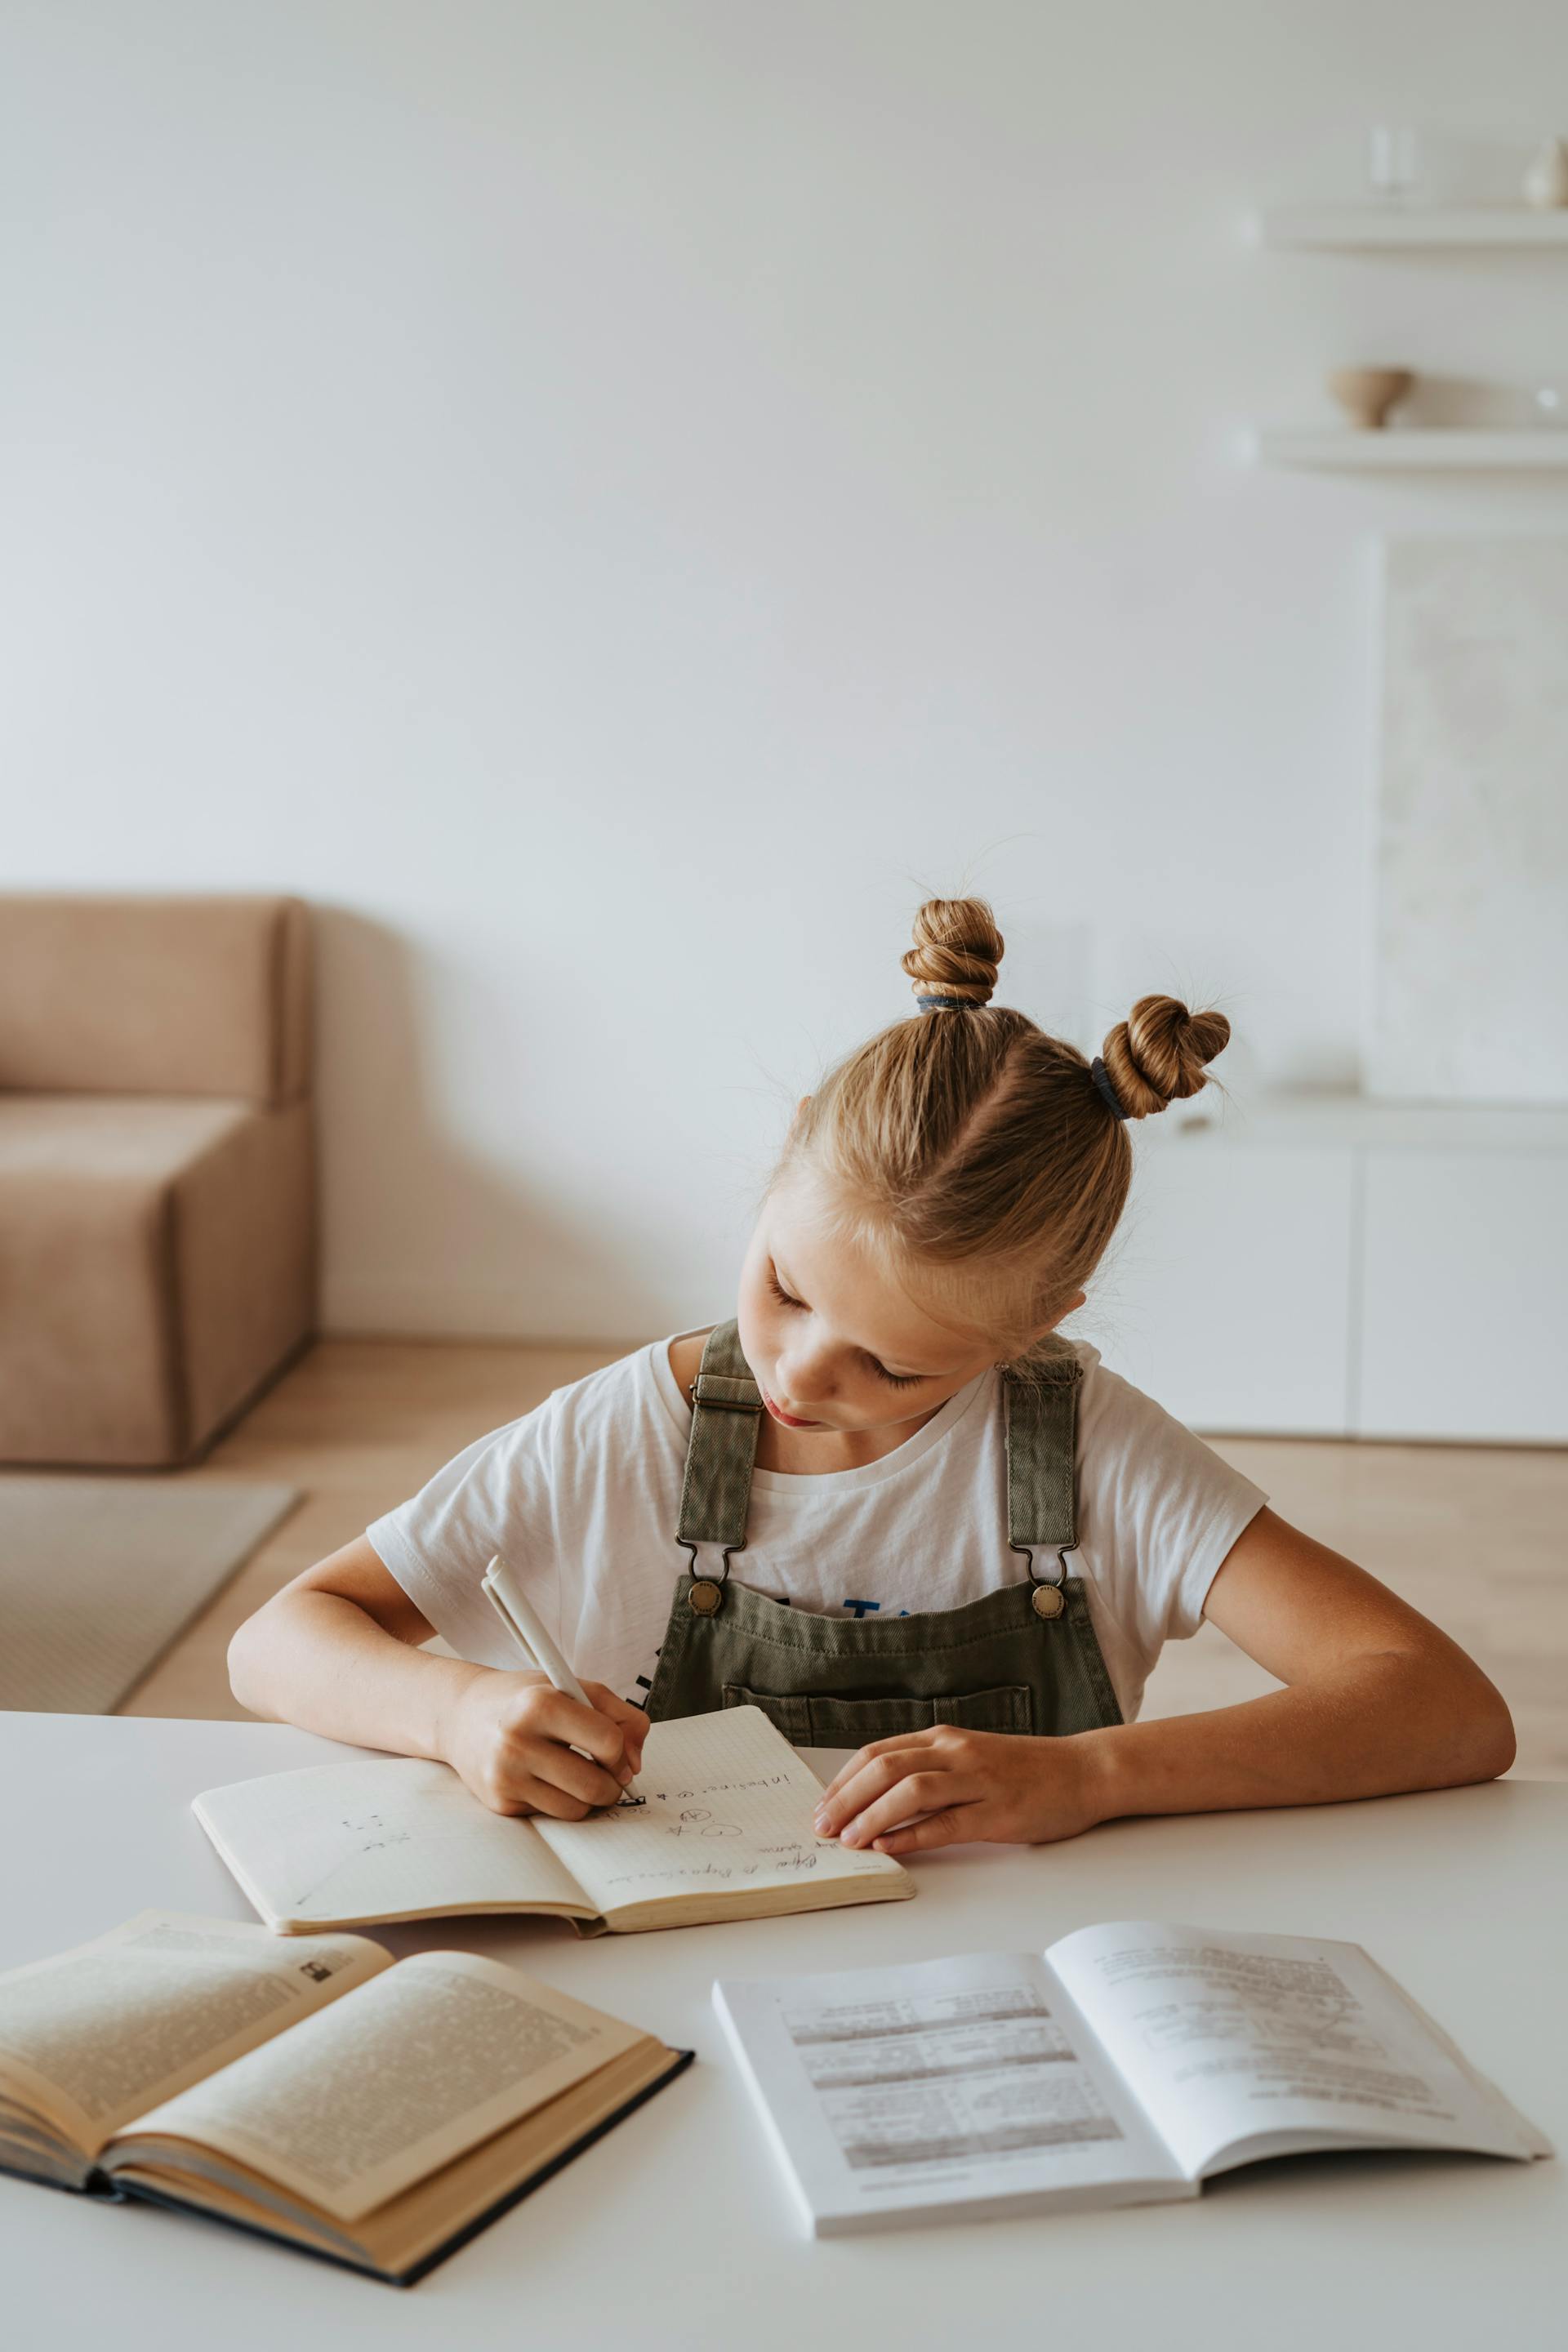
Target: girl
{"x": 915, "y": 1521}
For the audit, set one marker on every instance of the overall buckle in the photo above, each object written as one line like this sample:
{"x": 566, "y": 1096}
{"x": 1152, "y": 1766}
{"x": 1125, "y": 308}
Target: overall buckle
{"x": 707, "y": 1594}
{"x": 729, "y": 1395}
{"x": 1048, "y": 1597}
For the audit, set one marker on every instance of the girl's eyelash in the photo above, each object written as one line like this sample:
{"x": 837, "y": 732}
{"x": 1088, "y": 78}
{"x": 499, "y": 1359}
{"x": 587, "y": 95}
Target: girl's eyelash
{"x": 894, "y": 1380}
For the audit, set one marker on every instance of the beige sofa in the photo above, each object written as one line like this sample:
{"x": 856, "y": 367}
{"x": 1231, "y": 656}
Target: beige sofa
{"x": 157, "y": 1192}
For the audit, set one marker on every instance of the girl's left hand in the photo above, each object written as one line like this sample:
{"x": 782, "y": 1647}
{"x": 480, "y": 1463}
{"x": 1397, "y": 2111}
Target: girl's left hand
{"x": 960, "y": 1784}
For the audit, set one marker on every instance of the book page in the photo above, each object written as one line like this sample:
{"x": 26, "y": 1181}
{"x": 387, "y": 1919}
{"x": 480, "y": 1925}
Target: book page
{"x": 934, "y": 2085}
{"x": 95, "y": 2035}
{"x": 726, "y": 1804}
{"x": 357, "y": 2104}
{"x": 396, "y": 1838}
{"x": 1228, "y": 2039}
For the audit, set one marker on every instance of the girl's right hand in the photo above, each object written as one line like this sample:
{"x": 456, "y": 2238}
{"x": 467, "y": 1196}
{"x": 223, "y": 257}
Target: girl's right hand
{"x": 509, "y": 1737}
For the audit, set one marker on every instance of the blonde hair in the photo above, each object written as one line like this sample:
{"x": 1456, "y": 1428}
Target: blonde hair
{"x": 976, "y": 1155}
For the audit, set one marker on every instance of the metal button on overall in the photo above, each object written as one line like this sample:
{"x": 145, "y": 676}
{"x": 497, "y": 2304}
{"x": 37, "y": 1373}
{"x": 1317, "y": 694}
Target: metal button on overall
{"x": 1022, "y": 1658}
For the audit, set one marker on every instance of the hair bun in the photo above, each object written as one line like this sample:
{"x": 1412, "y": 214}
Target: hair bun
{"x": 1157, "y": 1055}
{"x": 957, "y": 950}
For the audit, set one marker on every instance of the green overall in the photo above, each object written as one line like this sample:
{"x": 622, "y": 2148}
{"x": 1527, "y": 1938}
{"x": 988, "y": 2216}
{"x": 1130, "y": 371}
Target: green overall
{"x": 1023, "y": 1658}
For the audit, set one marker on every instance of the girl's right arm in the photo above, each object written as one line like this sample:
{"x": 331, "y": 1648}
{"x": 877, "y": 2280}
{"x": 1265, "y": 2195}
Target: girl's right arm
{"x": 337, "y": 1652}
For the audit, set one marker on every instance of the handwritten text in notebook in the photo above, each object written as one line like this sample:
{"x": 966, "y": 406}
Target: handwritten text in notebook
{"x": 711, "y": 1815}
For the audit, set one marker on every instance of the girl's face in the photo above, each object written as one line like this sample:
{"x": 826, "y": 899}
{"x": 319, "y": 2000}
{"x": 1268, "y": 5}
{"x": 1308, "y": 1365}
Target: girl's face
{"x": 834, "y": 1346}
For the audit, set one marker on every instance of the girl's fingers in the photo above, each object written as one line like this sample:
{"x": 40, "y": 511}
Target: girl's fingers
{"x": 936, "y": 1829}
{"x": 633, "y": 1722}
{"x": 567, "y": 1774}
{"x": 916, "y": 1792}
{"x": 601, "y": 1733}
{"x": 529, "y": 1794}
{"x": 550, "y": 1716}
{"x": 849, "y": 1796}
{"x": 863, "y": 1756}
{"x": 619, "y": 1710}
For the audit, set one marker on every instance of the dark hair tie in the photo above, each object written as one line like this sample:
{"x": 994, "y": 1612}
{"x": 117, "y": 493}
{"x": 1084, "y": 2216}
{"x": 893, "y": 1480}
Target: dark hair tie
{"x": 947, "y": 1004}
{"x": 1101, "y": 1077}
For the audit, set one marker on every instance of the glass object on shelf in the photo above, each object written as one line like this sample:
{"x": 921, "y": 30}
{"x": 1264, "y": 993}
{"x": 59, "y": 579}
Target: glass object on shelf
{"x": 1546, "y": 182}
{"x": 1393, "y": 161}
{"x": 1367, "y": 394}
{"x": 1549, "y": 401}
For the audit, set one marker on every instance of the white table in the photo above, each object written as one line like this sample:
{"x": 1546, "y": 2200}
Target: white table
{"x": 675, "y": 2230}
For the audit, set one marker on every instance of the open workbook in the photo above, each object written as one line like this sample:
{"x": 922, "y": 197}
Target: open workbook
{"x": 372, "y": 2111}
{"x": 1128, "y": 2063}
{"x": 718, "y": 1826}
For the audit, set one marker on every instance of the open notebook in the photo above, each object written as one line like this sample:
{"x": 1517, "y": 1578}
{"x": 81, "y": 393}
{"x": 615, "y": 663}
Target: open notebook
{"x": 373, "y": 2112}
{"x": 722, "y": 1829}
{"x": 1128, "y": 2063}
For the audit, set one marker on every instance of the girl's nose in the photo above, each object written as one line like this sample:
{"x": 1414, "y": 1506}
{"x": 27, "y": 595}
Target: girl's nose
{"x": 805, "y": 1383}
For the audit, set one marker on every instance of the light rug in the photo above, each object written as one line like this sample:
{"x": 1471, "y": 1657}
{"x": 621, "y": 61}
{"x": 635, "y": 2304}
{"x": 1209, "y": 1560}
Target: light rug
{"x": 98, "y": 1576}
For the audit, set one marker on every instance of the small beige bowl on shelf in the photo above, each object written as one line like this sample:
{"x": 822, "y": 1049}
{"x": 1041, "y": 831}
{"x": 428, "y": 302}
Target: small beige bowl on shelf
{"x": 1367, "y": 395}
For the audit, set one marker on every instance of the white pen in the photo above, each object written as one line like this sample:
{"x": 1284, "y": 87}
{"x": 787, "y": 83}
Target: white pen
{"x": 517, "y": 1614}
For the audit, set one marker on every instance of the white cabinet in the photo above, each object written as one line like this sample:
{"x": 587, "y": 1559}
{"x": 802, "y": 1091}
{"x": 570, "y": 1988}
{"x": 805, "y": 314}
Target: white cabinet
{"x": 1228, "y": 1295}
{"x": 1334, "y": 1267}
{"x": 1465, "y": 1297}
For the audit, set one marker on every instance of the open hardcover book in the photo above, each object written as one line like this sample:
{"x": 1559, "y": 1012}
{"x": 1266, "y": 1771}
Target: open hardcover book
{"x": 1126, "y": 2063}
{"x": 377, "y": 2113}
{"x": 718, "y": 1826}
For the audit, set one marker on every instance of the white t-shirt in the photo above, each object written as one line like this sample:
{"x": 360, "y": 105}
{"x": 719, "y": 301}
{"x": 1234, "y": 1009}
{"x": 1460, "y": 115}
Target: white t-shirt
{"x": 582, "y": 1495}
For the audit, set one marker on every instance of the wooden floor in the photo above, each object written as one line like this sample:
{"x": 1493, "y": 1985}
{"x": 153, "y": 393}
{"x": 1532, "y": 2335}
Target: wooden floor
{"x": 1472, "y": 1536}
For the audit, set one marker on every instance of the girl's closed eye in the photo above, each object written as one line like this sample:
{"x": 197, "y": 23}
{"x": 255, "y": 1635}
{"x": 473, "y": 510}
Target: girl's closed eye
{"x": 893, "y": 1380}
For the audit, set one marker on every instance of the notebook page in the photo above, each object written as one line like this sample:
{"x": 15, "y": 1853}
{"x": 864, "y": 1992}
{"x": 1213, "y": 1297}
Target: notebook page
{"x": 100, "y": 2031}
{"x": 375, "y": 1840}
{"x": 360, "y": 2102}
{"x": 1228, "y": 2037}
{"x": 727, "y": 1804}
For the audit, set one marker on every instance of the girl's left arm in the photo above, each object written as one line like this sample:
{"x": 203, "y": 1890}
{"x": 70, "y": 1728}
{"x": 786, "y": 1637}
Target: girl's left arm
{"x": 1377, "y": 1700}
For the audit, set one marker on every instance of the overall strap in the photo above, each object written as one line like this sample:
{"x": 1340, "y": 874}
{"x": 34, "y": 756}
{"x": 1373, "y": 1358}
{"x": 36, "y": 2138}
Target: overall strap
{"x": 1040, "y": 1403}
{"x": 726, "y": 1414}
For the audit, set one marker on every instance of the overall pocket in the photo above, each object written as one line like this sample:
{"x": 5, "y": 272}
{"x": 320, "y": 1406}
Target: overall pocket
{"x": 821, "y": 1720}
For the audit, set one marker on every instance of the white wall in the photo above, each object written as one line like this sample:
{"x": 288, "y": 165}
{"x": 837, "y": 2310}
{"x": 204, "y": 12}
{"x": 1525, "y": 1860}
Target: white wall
{"x": 614, "y": 502}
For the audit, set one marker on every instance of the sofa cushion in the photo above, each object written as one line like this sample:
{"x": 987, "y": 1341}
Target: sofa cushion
{"x": 155, "y": 995}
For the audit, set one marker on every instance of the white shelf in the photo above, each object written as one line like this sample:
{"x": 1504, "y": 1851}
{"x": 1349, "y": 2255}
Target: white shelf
{"x": 1541, "y": 449}
{"x": 1269, "y": 1119}
{"x": 1372, "y": 228}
